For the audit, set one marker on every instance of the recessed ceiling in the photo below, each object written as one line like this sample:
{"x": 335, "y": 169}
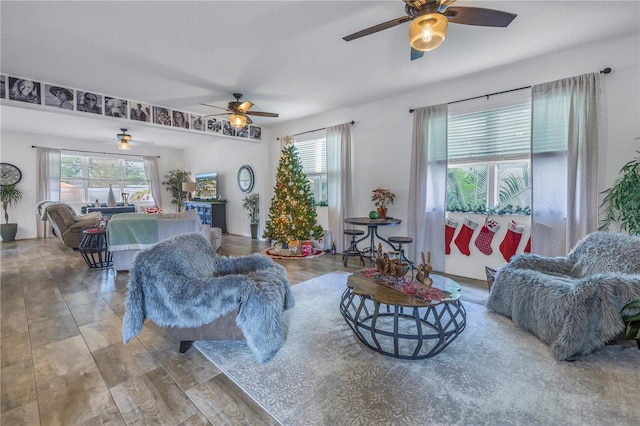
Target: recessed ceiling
{"x": 284, "y": 56}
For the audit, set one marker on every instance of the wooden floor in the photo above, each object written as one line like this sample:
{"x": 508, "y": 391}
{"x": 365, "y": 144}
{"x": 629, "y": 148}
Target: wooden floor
{"x": 62, "y": 357}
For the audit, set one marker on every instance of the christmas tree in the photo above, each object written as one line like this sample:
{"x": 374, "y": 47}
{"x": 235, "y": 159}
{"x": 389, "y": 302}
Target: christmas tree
{"x": 292, "y": 215}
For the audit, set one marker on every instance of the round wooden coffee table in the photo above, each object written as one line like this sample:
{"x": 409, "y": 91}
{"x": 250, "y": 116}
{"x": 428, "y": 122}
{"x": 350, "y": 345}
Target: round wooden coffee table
{"x": 394, "y": 324}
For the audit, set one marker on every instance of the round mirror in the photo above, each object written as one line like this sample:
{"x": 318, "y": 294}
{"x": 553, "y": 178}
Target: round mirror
{"x": 245, "y": 178}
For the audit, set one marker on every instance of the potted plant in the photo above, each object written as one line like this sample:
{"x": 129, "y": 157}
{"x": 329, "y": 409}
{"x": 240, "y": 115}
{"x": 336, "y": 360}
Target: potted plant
{"x": 632, "y": 320}
{"x": 382, "y": 198}
{"x": 622, "y": 201}
{"x": 9, "y": 195}
{"x": 173, "y": 183}
{"x": 252, "y": 204}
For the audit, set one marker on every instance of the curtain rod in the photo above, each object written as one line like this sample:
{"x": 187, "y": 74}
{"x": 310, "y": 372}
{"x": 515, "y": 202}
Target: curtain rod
{"x": 92, "y": 152}
{"x": 603, "y": 71}
{"x": 311, "y": 131}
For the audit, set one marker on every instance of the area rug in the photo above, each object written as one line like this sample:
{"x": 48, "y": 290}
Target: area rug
{"x": 493, "y": 374}
{"x": 271, "y": 253}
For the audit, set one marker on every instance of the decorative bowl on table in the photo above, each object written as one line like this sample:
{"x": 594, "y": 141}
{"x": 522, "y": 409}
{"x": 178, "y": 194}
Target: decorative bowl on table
{"x": 390, "y": 264}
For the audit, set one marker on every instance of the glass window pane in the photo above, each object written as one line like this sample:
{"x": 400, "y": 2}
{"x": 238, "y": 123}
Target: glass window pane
{"x": 71, "y": 190}
{"x": 514, "y": 185}
{"x": 103, "y": 168}
{"x": 467, "y": 188}
{"x": 71, "y": 167}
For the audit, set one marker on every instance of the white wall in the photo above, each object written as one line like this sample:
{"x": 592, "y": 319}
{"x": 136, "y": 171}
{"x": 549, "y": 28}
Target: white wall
{"x": 382, "y": 130}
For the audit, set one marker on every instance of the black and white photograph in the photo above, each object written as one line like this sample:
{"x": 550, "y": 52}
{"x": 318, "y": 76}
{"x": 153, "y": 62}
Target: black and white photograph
{"x": 114, "y": 107}
{"x": 243, "y": 133}
{"x": 3, "y": 90}
{"x": 197, "y": 122}
{"x": 89, "y": 102}
{"x": 255, "y": 133}
{"x": 214, "y": 125}
{"x": 227, "y": 129}
{"x": 140, "y": 111}
{"x": 58, "y": 97}
{"x": 180, "y": 119}
{"x": 24, "y": 90}
{"x": 161, "y": 116}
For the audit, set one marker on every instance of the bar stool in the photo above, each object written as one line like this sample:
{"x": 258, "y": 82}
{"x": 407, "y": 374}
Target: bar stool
{"x": 353, "y": 250}
{"x": 400, "y": 241}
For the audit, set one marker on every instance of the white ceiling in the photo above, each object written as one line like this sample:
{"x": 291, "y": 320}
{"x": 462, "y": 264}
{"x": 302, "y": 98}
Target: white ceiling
{"x": 284, "y": 56}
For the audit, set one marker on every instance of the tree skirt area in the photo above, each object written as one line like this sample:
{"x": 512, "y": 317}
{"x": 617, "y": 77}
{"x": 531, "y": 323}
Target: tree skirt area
{"x": 494, "y": 373}
{"x": 271, "y": 251}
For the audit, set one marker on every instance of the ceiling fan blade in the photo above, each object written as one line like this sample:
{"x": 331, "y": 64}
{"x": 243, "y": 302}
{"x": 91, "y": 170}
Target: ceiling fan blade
{"x": 214, "y": 106}
{"x": 244, "y": 107}
{"x": 479, "y": 16}
{"x": 416, "y": 54}
{"x": 376, "y": 28}
{"x": 249, "y": 121}
{"x": 217, "y": 115}
{"x": 261, "y": 114}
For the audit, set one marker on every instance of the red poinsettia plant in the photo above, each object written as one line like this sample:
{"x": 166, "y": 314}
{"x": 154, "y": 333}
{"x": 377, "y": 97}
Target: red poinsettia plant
{"x": 382, "y": 197}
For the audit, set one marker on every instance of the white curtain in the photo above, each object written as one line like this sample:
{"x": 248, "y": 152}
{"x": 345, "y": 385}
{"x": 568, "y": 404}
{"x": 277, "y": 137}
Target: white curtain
{"x": 47, "y": 181}
{"x": 339, "y": 181}
{"x": 427, "y": 185}
{"x": 151, "y": 170}
{"x": 564, "y": 163}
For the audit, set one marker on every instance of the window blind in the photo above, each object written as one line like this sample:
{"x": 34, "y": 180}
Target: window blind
{"x": 313, "y": 155}
{"x": 490, "y": 135}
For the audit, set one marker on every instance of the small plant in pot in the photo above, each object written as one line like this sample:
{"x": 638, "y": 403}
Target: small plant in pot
{"x": 631, "y": 317}
{"x": 621, "y": 202}
{"x": 252, "y": 204}
{"x": 381, "y": 199}
{"x": 9, "y": 195}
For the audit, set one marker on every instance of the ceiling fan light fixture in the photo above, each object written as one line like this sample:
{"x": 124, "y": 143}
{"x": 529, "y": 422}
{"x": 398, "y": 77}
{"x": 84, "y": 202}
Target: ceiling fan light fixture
{"x": 124, "y": 145}
{"x": 124, "y": 139}
{"x": 427, "y": 31}
{"x": 238, "y": 121}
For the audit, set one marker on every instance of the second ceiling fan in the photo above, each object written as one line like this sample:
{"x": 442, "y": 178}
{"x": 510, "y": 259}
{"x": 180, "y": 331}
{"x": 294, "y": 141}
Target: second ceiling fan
{"x": 239, "y": 112}
{"x": 430, "y": 19}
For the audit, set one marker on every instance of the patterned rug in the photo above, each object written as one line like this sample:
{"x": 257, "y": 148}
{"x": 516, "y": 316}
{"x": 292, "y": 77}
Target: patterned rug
{"x": 493, "y": 374}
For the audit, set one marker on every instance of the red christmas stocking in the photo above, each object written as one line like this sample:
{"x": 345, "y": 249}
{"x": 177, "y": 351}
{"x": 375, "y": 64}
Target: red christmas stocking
{"x": 483, "y": 240}
{"x": 464, "y": 236}
{"x": 511, "y": 241}
{"x": 449, "y": 229}
{"x": 527, "y": 248}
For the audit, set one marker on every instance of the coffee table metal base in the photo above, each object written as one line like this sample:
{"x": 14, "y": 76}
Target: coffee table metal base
{"x": 403, "y": 332}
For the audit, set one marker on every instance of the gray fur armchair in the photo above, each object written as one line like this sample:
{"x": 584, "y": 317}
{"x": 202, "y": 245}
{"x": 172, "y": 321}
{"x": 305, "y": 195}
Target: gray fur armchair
{"x": 181, "y": 283}
{"x": 571, "y": 302}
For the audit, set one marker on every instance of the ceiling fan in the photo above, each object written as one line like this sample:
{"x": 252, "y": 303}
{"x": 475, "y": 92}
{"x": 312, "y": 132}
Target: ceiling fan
{"x": 124, "y": 139}
{"x": 239, "y": 111}
{"x": 430, "y": 19}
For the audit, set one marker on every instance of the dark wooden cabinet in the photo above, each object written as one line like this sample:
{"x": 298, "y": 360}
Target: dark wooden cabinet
{"x": 213, "y": 214}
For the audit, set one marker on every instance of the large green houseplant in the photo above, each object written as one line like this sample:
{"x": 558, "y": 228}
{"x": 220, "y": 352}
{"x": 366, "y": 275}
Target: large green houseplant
{"x": 621, "y": 202}
{"x": 10, "y": 195}
{"x": 173, "y": 183}
{"x": 251, "y": 203}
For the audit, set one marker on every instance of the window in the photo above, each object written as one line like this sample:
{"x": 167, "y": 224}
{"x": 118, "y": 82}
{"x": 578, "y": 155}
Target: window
{"x": 489, "y": 164}
{"x": 313, "y": 156}
{"x": 85, "y": 179}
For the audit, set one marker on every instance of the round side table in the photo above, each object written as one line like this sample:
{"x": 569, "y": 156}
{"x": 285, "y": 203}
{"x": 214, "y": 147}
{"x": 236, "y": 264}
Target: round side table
{"x": 94, "y": 250}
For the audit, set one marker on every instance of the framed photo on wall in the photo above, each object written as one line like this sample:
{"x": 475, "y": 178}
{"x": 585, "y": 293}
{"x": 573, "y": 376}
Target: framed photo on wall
{"x": 161, "y": 116}
{"x": 3, "y": 90}
{"x": 23, "y": 90}
{"x": 139, "y": 111}
{"x": 197, "y": 122}
{"x": 114, "y": 107}
{"x": 255, "y": 133}
{"x": 214, "y": 125}
{"x": 58, "y": 96}
{"x": 180, "y": 119}
{"x": 89, "y": 102}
